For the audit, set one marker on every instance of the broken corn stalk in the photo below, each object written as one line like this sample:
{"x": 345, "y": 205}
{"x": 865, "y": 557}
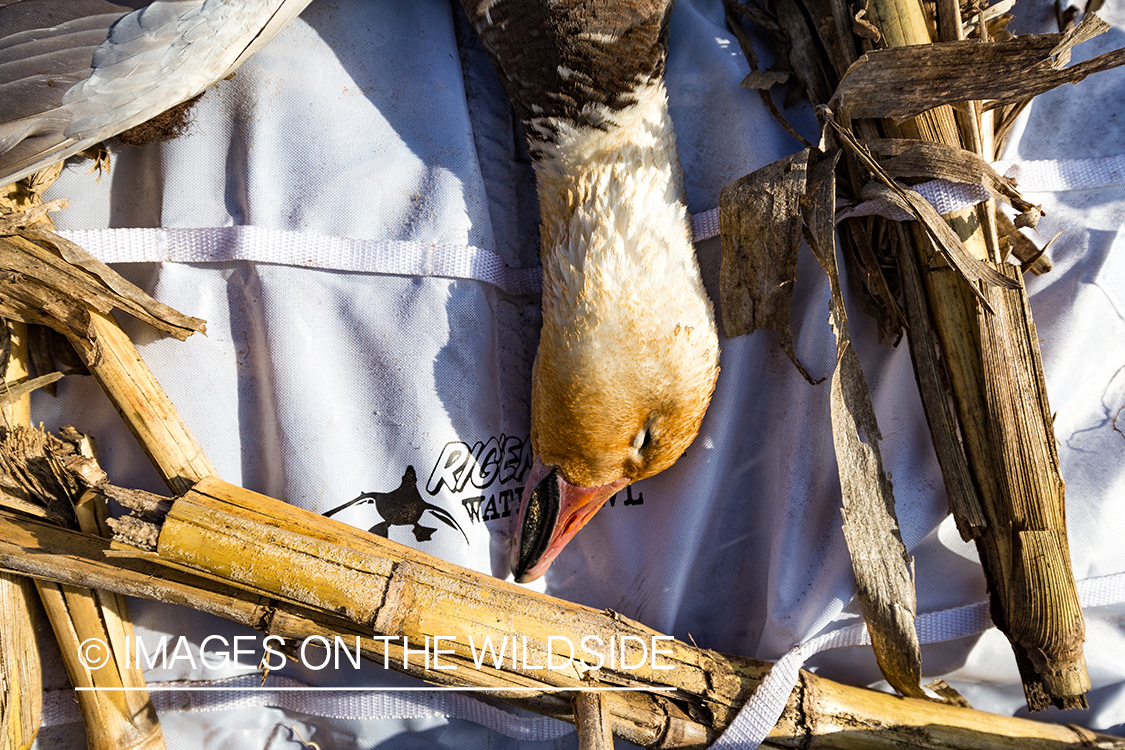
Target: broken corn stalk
{"x": 114, "y": 720}
{"x": 996, "y": 376}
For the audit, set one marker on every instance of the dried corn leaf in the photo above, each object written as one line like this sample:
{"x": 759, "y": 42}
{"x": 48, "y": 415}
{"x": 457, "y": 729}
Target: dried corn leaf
{"x": 989, "y": 15}
{"x": 51, "y": 353}
{"x": 5, "y": 344}
{"x": 40, "y": 287}
{"x": 802, "y": 54}
{"x": 764, "y": 79}
{"x": 762, "y": 217}
{"x": 796, "y": 56}
{"x": 11, "y": 223}
{"x": 44, "y": 267}
{"x": 945, "y": 240}
{"x": 1090, "y": 27}
{"x": 901, "y": 82}
{"x": 760, "y": 223}
{"x": 883, "y": 571}
{"x": 863, "y": 28}
{"x": 906, "y": 158}
{"x": 1031, "y": 257}
{"x": 134, "y": 300}
{"x": 10, "y": 393}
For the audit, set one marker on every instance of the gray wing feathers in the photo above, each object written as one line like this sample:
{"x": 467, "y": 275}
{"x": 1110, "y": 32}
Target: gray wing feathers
{"x": 42, "y": 55}
{"x": 73, "y": 73}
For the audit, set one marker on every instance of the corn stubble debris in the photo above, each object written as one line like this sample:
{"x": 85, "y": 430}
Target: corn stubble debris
{"x": 909, "y": 98}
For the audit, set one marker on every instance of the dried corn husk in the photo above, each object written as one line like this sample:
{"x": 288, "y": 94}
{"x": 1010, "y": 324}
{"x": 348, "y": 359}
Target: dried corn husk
{"x": 996, "y": 446}
{"x": 21, "y": 681}
{"x": 115, "y": 720}
{"x": 369, "y": 587}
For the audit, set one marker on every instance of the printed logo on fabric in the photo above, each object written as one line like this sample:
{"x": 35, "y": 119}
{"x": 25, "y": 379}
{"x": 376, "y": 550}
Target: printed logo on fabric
{"x": 485, "y": 478}
{"x": 485, "y": 473}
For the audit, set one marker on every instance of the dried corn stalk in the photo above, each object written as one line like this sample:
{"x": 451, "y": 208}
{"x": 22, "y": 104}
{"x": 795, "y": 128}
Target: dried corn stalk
{"x": 314, "y": 576}
{"x": 21, "y": 682}
{"x": 354, "y": 583}
{"x": 53, "y": 282}
{"x": 35, "y": 466}
{"x": 992, "y": 357}
{"x": 996, "y": 448}
{"x": 591, "y": 719}
{"x": 114, "y": 720}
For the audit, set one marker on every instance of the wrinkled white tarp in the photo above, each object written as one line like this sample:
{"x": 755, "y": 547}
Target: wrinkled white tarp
{"x": 354, "y": 217}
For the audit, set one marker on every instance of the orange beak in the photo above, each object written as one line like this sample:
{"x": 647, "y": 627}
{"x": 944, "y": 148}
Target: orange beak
{"x": 551, "y": 513}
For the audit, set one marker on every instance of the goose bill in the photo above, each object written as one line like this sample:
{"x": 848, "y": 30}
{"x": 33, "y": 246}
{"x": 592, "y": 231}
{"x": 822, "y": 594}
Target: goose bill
{"x": 551, "y": 513}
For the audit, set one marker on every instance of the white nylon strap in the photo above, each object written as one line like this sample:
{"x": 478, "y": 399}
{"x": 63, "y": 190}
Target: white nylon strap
{"x": 943, "y": 195}
{"x": 759, "y": 715}
{"x": 251, "y": 243}
{"x": 1059, "y": 175}
{"x": 946, "y": 197}
{"x": 1046, "y": 176}
{"x": 452, "y": 261}
{"x": 705, "y": 225}
{"x": 59, "y": 706}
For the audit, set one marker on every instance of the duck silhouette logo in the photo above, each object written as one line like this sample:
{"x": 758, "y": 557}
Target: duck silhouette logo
{"x": 403, "y": 507}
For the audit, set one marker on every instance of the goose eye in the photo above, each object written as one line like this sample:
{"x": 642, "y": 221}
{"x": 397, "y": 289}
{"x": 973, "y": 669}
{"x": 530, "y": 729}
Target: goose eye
{"x": 643, "y": 440}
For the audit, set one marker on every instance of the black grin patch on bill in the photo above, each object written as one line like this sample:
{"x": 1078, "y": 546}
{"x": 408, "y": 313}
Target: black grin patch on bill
{"x": 539, "y": 521}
